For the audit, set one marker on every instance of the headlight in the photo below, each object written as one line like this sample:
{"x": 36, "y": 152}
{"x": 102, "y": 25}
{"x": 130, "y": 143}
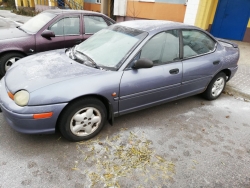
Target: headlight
{"x": 21, "y": 98}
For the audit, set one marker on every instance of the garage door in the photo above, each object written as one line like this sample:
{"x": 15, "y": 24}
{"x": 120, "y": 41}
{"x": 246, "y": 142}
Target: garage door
{"x": 231, "y": 19}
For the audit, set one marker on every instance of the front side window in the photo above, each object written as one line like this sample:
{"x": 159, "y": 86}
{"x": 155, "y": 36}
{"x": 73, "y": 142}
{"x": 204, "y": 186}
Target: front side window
{"x": 196, "y": 43}
{"x": 93, "y": 24}
{"x": 162, "y": 48}
{"x": 110, "y": 46}
{"x": 66, "y": 26}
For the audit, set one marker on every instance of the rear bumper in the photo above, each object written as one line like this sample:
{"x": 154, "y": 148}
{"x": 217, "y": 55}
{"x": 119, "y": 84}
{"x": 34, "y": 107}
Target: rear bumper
{"x": 21, "y": 118}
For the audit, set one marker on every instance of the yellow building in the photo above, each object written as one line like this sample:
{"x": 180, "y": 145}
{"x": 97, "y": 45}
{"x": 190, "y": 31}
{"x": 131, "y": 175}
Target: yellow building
{"x": 40, "y": 5}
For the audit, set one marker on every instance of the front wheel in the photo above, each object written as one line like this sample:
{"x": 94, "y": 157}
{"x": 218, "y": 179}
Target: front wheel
{"x": 7, "y": 60}
{"x": 215, "y": 87}
{"x": 82, "y": 119}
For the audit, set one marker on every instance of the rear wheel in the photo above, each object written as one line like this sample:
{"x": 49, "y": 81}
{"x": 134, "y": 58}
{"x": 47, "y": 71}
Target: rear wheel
{"x": 7, "y": 60}
{"x": 82, "y": 119}
{"x": 215, "y": 87}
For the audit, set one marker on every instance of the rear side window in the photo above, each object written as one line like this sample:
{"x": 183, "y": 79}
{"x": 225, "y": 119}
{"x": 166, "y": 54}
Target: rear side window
{"x": 196, "y": 43}
{"x": 93, "y": 24}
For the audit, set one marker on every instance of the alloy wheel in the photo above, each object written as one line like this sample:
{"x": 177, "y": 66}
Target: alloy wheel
{"x": 218, "y": 86}
{"x": 85, "y": 121}
{"x": 10, "y": 62}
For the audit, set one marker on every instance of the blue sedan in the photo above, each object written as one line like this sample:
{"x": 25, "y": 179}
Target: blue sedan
{"x": 121, "y": 69}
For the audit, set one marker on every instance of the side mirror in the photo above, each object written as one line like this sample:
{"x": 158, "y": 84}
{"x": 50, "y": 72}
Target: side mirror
{"x": 143, "y": 63}
{"x": 48, "y": 34}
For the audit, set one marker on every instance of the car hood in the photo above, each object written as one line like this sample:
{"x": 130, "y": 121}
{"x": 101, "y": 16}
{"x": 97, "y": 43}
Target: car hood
{"x": 12, "y": 33}
{"x": 43, "y": 69}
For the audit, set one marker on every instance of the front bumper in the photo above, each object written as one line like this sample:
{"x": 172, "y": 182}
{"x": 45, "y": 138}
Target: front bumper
{"x": 21, "y": 118}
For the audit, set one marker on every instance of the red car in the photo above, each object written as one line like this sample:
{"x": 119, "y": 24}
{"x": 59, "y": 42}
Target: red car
{"x": 49, "y": 30}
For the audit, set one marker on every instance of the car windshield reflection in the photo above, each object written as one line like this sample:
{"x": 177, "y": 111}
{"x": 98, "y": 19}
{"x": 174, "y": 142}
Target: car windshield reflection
{"x": 37, "y": 22}
{"x": 109, "y": 46}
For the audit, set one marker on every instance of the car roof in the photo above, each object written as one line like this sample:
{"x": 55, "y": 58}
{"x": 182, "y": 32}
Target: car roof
{"x": 60, "y": 11}
{"x": 153, "y": 25}
{"x": 69, "y": 11}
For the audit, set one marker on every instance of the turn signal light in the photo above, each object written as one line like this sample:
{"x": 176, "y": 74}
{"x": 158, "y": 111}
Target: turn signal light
{"x": 42, "y": 115}
{"x": 11, "y": 95}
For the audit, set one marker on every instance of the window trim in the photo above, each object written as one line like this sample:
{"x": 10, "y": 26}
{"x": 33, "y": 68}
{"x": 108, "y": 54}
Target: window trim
{"x": 68, "y": 16}
{"x": 198, "y": 55}
{"x": 83, "y": 21}
{"x": 168, "y": 62}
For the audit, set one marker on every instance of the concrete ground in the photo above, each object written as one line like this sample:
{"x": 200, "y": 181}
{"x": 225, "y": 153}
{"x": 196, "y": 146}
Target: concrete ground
{"x": 240, "y": 83}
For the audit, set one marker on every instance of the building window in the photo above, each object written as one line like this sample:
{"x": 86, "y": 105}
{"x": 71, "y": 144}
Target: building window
{"x": 99, "y": 1}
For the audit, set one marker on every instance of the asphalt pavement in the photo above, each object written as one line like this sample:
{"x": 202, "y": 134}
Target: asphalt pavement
{"x": 189, "y": 143}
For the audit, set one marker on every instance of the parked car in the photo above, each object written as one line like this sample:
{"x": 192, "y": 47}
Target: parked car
{"x": 49, "y": 30}
{"x": 124, "y": 68}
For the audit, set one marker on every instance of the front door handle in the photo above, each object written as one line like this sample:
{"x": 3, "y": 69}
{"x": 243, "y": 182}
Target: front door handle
{"x": 174, "y": 71}
{"x": 216, "y": 62}
{"x": 78, "y": 41}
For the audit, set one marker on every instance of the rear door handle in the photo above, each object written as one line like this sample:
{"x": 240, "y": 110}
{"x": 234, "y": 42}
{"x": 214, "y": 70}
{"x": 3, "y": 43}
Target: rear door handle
{"x": 174, "y": 71}
{"x": 216, "y": 62}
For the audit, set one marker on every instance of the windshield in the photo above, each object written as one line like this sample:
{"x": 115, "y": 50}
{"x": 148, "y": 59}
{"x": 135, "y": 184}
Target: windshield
{"x": 109, "y": 46}
{"x": 37, "y": 22}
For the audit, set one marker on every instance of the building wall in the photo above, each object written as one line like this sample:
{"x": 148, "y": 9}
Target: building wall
{"x": 206, "y": 13}
{"x": 247, "y": 33}
{"x": 173, "y": 10}
{"x": 92, "y": 5}
{"x": 191, "y": 12}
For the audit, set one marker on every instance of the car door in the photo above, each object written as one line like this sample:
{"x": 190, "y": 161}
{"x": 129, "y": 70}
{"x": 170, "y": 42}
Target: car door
{"x": 200, "y": 61}
{"x": 93, "y": 24}
{"x": 142, "y": 88}
{"x": 51, "y": 43}
{"x": 67, "y": 34}
{"x": 72, "y": 30}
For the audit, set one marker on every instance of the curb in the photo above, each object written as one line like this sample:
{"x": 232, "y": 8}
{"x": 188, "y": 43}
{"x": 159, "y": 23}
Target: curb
{"x": 236, "y": 92}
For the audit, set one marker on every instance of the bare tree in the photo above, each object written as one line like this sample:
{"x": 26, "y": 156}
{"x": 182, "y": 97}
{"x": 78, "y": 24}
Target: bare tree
{"x": 134, "y": 12}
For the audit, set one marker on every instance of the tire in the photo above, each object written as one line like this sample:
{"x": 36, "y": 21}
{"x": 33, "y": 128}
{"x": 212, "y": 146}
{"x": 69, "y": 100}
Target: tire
{"x": 82, "y": 119}
{"x": 7, "y": 60}
{"x": 215, "y": 87}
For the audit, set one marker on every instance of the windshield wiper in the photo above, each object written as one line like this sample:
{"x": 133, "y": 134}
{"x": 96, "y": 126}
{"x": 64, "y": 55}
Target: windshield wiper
{"x": 21, "y": 29}
{"x": 91, "y": 60}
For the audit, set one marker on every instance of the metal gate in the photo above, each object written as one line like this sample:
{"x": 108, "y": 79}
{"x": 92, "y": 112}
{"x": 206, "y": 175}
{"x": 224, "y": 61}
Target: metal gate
{"x": 231, "y": 19}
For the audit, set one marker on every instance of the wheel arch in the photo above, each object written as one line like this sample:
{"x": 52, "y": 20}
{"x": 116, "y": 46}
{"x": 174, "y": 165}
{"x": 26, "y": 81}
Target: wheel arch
{"x": 12, "y": 51}
{"x": 227, "y": 72}
{"x": 104, "y": 100}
